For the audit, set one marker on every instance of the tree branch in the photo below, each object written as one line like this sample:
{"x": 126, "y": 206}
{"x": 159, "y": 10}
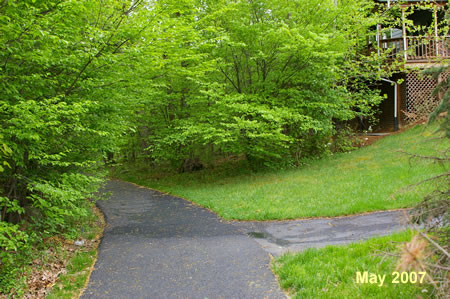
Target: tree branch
{"x": 434, "y": 243}
{"x": 424, "y": 157}
{"x": 229, "y": 79}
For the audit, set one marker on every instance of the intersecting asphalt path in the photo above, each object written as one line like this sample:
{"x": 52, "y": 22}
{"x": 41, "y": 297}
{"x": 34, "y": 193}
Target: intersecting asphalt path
{"x": 278, "y": 237}
{"x": 159, "y": 246}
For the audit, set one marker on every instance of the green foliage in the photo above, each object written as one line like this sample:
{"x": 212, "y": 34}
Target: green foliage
{"x": 5, "y": 151}
{"x": 265, "y": 79}
{"x": 15, "y": 246}
{"x": 11, "y": 239}
{"x": 56, "y": 113}
{"x": 60, "y": 204}
{"x": 62, "y": 109}
{"x": 17, "y": 263}
{"x": 344, "y": 140}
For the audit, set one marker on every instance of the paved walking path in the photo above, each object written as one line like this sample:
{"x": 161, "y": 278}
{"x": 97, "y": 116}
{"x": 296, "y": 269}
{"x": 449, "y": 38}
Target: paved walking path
{"x": 159, "y": 246}
{"x": 278, "y": 237}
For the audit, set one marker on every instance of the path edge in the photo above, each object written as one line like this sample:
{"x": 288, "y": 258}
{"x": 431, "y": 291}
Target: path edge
{"x": 98, "y": 238}
{"x": 236, "y": 221}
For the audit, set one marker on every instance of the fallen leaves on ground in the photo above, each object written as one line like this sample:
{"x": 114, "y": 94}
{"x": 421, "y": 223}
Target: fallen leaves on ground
{"x": 54, "y": 261}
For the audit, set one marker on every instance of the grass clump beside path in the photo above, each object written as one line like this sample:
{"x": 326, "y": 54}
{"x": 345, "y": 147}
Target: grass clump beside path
{"x": 347, "y": 183}
{"x": 330, "y": 272}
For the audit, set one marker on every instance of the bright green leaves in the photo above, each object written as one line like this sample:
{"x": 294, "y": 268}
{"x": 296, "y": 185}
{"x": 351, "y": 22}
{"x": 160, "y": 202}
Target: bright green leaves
{"x": 57, "y": 80}
{"x": 5, "y": 151}
{"x": 61, "y": 199}
{"x": 37, "y": 129}
{"x": 11, "y": 239}
{"x": 264, "y": 78}
{"x": 63, "y": 67}
{"x": 66, "y": 72}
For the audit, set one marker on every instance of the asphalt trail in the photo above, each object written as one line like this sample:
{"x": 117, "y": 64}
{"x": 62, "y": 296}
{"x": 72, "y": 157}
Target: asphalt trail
{"x": 159, "y": 246}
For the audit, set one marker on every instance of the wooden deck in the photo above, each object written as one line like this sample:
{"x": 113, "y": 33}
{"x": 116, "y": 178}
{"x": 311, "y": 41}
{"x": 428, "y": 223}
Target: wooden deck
{"x": 418, "y": 49}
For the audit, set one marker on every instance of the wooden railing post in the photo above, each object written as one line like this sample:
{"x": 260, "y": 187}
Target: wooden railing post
{"x": 436, "y": 33}
{"x": 405, "y": 42}
{"x": 378, "y": 39}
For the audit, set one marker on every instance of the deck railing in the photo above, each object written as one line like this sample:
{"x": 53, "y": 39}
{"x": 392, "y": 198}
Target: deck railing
{"x": 418, "y": 48}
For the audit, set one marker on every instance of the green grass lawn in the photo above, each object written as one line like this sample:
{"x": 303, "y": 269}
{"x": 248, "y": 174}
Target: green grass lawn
{"x": 330, "y": 272}
{"x": 367, "y": 179}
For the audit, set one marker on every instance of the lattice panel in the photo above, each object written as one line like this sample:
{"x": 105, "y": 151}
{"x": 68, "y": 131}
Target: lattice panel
{"x": 419, "y": 101}
{"x": 444, "y": 76}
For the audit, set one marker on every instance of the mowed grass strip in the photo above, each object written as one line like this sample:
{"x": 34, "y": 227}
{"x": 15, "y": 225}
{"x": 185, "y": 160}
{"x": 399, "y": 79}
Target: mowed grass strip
{"x": 367, "y": 179}
{"x": 330, "y": 272}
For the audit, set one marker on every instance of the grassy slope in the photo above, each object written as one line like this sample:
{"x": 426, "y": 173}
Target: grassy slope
{"x": 348, "y": 183}
{"x": 330, "y": 272}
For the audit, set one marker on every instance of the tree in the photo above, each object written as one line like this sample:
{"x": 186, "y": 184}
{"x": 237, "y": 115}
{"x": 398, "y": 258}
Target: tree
{"x": 267, "y": 79}
{"x": 59, "y": 111}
